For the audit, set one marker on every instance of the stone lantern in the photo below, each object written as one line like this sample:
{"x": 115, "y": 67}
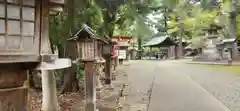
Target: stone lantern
{"x": 87, "y": 44}
{"x": 229, "y": 44}
{"x": 100, "y": 64}
{"x": 24, "y": 45}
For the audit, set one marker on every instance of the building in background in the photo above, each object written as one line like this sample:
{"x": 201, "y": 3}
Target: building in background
{"x": 125, "y": 46}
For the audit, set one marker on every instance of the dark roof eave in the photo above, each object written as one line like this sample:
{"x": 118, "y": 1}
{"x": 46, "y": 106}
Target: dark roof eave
{"x": 162, "y": 44}
{"x": 230, "y": 40}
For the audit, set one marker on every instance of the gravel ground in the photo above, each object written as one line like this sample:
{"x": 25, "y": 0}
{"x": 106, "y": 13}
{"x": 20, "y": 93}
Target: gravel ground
{"x": 222, "y": 84}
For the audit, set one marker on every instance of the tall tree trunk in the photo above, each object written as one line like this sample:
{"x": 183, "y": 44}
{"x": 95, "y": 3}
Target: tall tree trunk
{"x": 233, "y": 27}
{"x": 140, "y": 47}
{"x": 233, "y": 34}
{"x": 180, "y": 39}
{"x": 165, "y": 19}
{"x": 61, "y": 54}
{"x": 61, "y": 50}
{"x": 109, "y": 25}
{"x": 70, "y": 82}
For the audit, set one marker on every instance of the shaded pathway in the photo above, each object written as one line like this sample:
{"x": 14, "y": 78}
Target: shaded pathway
{"x": 140, "y": 80}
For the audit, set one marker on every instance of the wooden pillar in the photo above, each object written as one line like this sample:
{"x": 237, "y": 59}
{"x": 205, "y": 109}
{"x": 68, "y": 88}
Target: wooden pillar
{"x": 90, "y": 85}
{"x": 13, "y": 92}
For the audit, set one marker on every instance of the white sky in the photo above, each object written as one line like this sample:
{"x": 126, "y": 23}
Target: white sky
{"x": 154, "y": 18}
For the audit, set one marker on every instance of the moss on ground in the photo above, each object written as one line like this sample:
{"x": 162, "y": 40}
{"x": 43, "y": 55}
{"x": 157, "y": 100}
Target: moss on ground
{"x": 234, "y": 69}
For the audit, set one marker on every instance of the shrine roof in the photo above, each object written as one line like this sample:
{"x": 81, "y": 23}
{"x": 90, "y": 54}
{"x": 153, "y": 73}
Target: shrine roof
{"x": 229, "y": 40}
{"x": 158, "y": 41}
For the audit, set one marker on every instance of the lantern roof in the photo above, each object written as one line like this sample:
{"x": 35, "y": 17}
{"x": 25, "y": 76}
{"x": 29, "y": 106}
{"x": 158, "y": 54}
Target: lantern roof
{"x": 87, "y": 33}
{"x": 228, "y": 40}
{"x": 84, "y": 33}
{"x": 60, "y": 2}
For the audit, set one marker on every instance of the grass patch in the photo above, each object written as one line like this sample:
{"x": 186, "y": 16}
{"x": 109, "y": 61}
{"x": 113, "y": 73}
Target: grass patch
{"x": 234, "y": 69}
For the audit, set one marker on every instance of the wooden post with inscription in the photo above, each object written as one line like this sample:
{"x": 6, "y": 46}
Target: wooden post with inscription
{"x": 12, "y": 87}
{"x": 90, "y": 85}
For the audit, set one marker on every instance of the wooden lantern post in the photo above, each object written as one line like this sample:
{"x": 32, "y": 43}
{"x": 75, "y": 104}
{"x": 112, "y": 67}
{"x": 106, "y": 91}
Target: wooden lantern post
{"x": 107, "y": 48}
{"x": 86, "y": 43}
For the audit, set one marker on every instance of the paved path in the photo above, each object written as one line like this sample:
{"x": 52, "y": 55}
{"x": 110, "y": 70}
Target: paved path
{"x": 174, "y": 90}
{"x": 140, "y": 80}
{"x": 171, "y": 87}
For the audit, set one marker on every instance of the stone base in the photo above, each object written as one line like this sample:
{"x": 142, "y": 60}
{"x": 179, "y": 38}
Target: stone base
{"x": 109, "y": 87}
{"x": 99, "y": 94}
{"x": 99, "y": 85}
{"x": 90, "y": 107}
{"x": 86, "y": 107}
{"x": 114, "y": 75}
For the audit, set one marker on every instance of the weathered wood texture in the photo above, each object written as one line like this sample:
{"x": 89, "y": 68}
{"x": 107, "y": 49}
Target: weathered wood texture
{"x": 108, "y": 71}
{"x": 13, "y": 96}
{"x": 8, "y": 101}
{"x": 90, "y": 85}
